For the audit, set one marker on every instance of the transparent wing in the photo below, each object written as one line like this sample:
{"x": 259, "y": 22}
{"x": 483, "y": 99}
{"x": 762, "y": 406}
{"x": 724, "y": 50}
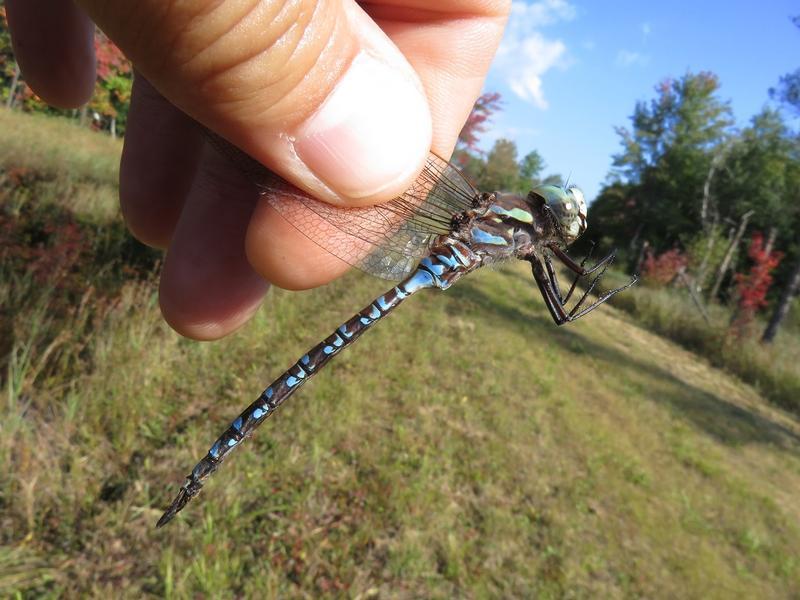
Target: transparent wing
{"x": 386, "y": 240}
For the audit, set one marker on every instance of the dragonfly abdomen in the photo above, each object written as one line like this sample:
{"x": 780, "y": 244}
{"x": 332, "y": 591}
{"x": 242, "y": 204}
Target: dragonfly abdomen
{"x": 446, "y": 263}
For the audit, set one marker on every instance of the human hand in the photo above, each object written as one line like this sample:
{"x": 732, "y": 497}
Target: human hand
{"x": 342, "y": 100}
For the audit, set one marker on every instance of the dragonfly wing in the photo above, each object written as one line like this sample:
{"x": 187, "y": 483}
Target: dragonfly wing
{"x": 386, "y": 240}
{"x": 374, "y": 239}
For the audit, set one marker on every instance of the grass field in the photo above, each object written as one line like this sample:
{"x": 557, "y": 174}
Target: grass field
{"x": 464, "y": 448}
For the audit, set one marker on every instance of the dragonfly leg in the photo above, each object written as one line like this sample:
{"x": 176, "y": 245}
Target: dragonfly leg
{"x": 548, "y": 286}
{"x": 579, "y": 272}
{"x": 552, "y": 279}
{"x": 606, "y": 262}
{"x": 579, "y": 268}
{"x": 549, "y": 293}
{"x": 602, "y": 298}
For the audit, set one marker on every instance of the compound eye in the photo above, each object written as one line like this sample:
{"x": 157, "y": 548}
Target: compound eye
{"x": 581, "y": 210}
{"x": 580, "y": 200}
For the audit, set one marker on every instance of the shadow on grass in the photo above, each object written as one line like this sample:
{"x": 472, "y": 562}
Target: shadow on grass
{"x": 720, "y": 418}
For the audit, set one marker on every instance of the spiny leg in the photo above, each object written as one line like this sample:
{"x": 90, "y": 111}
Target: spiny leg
{"x": 601, "y": 299}
{"x": 591, "y": 286}
{"x": 553, "y": 300}
{"x": 553, "y": 279}
{"x": 549, "y": 294}
{"x": 579, "y": 270}
{"x": 578, "y": 276}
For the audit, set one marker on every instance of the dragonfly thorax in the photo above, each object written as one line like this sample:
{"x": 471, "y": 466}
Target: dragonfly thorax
{"x": 504, "y": 225}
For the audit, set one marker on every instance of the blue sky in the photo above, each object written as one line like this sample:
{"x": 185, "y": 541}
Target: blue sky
{"x": 571, "y": 70}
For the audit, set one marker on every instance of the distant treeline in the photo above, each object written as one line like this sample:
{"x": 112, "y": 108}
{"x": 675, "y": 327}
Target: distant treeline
{"x": 689, "y": 192}
{"x": 687, "y": 181}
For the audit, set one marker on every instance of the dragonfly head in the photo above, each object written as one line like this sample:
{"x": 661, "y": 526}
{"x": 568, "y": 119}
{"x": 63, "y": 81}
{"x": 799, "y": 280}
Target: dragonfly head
{"x": 566, "y": 206}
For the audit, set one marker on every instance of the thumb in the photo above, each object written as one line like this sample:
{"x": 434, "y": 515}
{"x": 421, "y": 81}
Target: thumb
{"x": 312, "y": 89}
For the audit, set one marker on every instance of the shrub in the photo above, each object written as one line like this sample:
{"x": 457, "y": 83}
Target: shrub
{"x": 662, "y": 269}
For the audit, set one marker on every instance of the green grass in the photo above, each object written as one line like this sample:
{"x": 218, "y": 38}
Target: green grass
{"x": 464, "y": 448}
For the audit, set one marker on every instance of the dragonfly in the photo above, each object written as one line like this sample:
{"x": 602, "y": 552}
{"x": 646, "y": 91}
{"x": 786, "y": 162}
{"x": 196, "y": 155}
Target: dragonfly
{"x": 441, "y": 229}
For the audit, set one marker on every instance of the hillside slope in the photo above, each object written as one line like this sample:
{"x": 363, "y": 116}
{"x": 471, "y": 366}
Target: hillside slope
{"x": 464, "y": 447}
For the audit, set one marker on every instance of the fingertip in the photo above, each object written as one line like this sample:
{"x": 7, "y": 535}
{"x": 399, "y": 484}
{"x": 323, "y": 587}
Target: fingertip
{"x": 203, "y": 323}
{"x": 208, "y": 288}
{"x": 53, "y": 44}
{"x": 159, "y": 161}
{"x": 284, "y": 256}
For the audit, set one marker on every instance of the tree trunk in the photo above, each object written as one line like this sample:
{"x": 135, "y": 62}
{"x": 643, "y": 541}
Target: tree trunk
{"x": 12, "y": 90}
{"x": 773, "y": 233}
{"x": 726, "y": 262}
{"x": 637, "y": 269}
{"x": 633, "y": 267}
{"x": 711, "y": 239}
{"x": 690, "y": 286}
{"x": 706, "y": 205}
{"x": 785, "y": 302}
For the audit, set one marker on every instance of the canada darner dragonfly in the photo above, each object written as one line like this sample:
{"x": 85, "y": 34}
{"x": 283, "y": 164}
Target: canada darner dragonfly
{"x": 435, "y": 233}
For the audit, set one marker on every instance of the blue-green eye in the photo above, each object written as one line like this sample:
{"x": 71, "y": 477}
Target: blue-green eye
{"x": 569, "y": 207}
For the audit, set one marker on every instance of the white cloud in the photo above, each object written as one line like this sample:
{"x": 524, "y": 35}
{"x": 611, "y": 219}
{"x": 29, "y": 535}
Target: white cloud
{"x": 544, "y": 12}
{"x": 628, "y": 58}
{"x": 538, "y": 55}
{"x": 525, "y": 54}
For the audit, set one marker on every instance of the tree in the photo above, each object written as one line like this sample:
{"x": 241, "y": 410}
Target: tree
{"x": 752, "y": 287}
{"x": 477, "y": 123}
{"x": 501, "y": 171}
{"x": 9, "y": 69}
{"x": 468, "y": 155}
{"x": 112, "y": 94}
{"x": 667, "y": 154}
{"x": 756, "y": 170}
{"x": 530, "y": 173}
{"x": 782, "y": 306}
{"x": 787, "y": 93}
{"x": 531, "y": 167}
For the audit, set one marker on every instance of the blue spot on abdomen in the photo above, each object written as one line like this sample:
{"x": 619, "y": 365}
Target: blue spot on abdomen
{"x": 214, "y": 450}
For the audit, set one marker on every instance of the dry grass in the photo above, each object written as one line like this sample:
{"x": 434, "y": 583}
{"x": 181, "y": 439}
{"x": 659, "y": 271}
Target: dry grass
{"x": 772, "y": 368}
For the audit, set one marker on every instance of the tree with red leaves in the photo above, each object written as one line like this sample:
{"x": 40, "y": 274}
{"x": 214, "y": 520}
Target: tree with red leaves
{"x": 752, "y": 287}
{"x": 478, "y": 121}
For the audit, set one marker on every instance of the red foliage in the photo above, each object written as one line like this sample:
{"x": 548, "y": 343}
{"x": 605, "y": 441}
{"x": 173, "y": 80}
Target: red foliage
{"x": 110, "y": 59}
{"x": 51, "y": 255}
{"x": 752, "y": 287}
{"x": 478, "y": 121}
{"x": 663, "y": 268}
{"x": 112, "y": 87}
